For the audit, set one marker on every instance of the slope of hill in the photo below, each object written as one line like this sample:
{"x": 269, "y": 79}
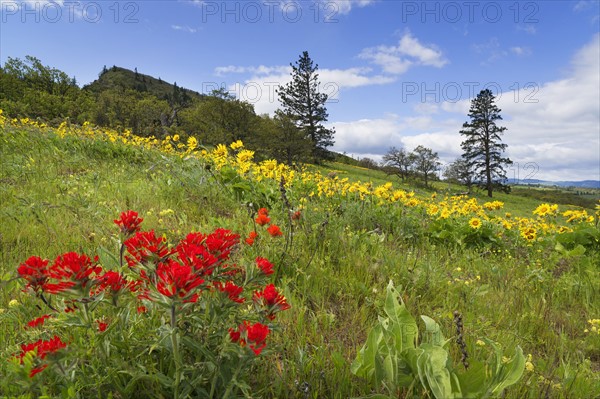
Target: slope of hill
{"x": 61, "y": 190}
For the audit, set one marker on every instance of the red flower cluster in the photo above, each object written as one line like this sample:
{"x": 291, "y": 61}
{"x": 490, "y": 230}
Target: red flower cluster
{"x": 251, "y": 237}
{"x": 35, "y": 271}
{"x": 296, "y": 215}
{"x": 70, "y": 270}
{"x": 264, "y": 265}
{"x": 232, "y": 290}
{"x": 38, "y": 322}
{"x": 263, "y": 217}
{"x": 270, "y": 298}
{"x": 129, "y": 222}
{"x": 274, "y": 230}
{"x": 255, "y": 335}
{"x": 176, "y": 280}
{"x": 206, "y": 252}
{"x": 113, "y": 281}
{"x": 144, "y": 247}
{"x": 42, "y": 349}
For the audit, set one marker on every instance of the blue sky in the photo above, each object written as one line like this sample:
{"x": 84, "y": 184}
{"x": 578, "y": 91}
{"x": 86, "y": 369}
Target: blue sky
{"x": 398, "y": 72}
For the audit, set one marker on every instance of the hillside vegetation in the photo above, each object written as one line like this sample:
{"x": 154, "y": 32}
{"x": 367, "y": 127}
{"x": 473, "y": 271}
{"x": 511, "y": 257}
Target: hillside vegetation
{"x": 511, "y": 272}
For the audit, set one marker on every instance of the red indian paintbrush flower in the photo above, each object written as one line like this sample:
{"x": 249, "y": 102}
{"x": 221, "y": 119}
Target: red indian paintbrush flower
{"x": 129, "y": 222}
{"x": 232, "y": 290}
{"x": 176, "y": 280}
{"x": 71, "y": 270}
{"x": 38, "y": 322}
{"x": 264, "y": 265}
{"x": 42, "y": 349}
{"x": 254, "y": 334}
{"x": 144, "y": 247}
{"x": 102, "y": 326}
{"x": 274, "y": 230}
{"x": 262, "y": 219}
{"x": 35, "y": 271}
{"x": 271, "y": 299}
{"x": 251, "y": 237}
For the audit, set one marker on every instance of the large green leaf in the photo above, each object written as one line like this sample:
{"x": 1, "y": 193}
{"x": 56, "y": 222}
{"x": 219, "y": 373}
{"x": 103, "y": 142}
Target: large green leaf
{"x": 433, "y": 332}
{"x": 433, "y": 372}
{"x": 472, "y": 381}
{"x": 402, "y": 324}
{"x": 505, "y": 373}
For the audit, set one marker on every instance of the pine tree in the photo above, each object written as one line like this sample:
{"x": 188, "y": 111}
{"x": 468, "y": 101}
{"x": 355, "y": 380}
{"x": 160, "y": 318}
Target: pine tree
{"x": 302, "y": 101}
{"x": 483, "y": 146}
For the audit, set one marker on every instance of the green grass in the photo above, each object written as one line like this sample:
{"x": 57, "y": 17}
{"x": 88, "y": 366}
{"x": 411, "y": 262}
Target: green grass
{"x": 61, "y": 195}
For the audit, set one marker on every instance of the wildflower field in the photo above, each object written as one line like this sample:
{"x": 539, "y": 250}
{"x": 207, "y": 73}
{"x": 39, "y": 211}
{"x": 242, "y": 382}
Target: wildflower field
{"x": 143, "y": 267}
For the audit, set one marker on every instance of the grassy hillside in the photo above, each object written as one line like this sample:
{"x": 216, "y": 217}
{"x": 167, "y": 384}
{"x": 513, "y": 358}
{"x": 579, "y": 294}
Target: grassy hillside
{"x": 122, "y": 78}
{"x": 62, "y": 189}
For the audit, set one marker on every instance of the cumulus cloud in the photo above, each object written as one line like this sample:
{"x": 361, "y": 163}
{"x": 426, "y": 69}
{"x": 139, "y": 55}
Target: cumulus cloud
{"x": 409, "y": 52}
{"x": 553, "y": 127}
{"x": 260, "y": 88}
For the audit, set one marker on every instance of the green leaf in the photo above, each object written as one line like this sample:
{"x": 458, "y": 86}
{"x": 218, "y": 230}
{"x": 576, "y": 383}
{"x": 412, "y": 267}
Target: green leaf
{"x": 472, "y": 381}
{"x": 510, "y": 372}
{"x": 433, "y": 372}
{"x": 433, "y": 332}
{"x": 402, "y": 324}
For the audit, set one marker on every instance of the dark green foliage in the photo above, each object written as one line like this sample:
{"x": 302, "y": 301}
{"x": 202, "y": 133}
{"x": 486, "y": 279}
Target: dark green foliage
{"x": 303, "y": 102}
{"x": 483, "y": 145}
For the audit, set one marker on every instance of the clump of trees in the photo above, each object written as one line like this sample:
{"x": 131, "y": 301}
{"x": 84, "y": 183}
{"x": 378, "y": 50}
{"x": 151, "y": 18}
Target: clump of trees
{"x": 422, "y": 163}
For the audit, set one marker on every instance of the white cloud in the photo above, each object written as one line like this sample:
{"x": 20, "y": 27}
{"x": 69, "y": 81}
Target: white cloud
{"x": 330, "y": 9}
{"x": 409, "y": 52}
{"x": 555, "y": 138}
{"x": 582, "y": 5}
{"x": 491, "y": 50}
{"x": 529, "y": 28}
{"x": 184, "y": 28}
{"x": 260, "y": 88}
{"x": 518, "y": 50}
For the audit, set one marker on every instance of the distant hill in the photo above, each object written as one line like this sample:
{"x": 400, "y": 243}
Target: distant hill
{"x": 534, "y": 182}
{"x": 117, "y": 77}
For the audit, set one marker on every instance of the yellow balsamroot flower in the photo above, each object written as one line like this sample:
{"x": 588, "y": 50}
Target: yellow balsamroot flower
{"x": 507, "y": 225}
{"x": 546, "y": 209}
{"x": 445, "y": 214}
{"x": 475, "y": 223}
{"x": 494, "y": 205}
{"x": 433, "y": 210}
{"x": 575, "y": 215}
{"x": 529, "y": 233}
{"x": 236, "y": 145}
{"x": 192, "y": 143}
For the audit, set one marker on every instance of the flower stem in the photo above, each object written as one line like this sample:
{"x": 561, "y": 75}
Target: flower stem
{"x": 231, "y": 382}
{"x": 176, "y": 357}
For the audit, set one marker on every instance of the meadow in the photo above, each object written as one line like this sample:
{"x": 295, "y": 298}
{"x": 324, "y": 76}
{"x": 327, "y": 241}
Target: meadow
{"x": 509, "y": 286}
